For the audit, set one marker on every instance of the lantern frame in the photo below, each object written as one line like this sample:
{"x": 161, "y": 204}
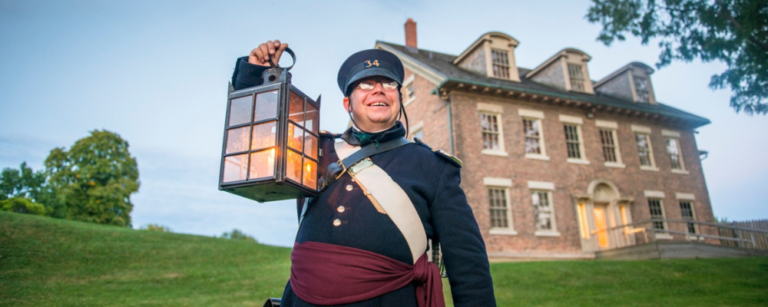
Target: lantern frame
{"x": 279, "y": 185}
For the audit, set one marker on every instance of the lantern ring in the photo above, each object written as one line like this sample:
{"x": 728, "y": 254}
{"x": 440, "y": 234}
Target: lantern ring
{"x": 293, "y": 56}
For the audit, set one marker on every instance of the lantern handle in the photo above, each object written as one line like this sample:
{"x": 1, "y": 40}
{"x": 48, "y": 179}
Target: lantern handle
{"x": 289, "y": 51}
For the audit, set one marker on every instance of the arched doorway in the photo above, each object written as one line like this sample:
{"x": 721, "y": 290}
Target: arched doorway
{"x": 601, "y": 209}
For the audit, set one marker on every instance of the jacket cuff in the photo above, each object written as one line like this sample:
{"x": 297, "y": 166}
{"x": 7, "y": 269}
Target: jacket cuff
{"x": 246, "y": 74}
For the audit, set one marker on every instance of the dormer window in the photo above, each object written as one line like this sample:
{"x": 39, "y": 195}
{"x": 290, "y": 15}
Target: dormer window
{"x": 641, "y": 88}
{"x": 500, "y": 59}
{"x": 577, "y": 78}
{"x": 492, "y": 55}
{"x": 631, "y": 82}
{"x": 566, "y": 70}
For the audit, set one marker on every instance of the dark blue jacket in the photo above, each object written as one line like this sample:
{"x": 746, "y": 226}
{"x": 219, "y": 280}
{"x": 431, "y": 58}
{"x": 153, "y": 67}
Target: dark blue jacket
{"x": 431, "y": 180}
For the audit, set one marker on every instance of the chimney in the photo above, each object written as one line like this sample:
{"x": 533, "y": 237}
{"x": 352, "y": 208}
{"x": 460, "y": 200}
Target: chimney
{"x": 410, "y": 34}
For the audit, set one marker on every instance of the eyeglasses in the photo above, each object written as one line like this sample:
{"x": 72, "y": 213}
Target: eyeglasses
{"x": 368, "y": 85}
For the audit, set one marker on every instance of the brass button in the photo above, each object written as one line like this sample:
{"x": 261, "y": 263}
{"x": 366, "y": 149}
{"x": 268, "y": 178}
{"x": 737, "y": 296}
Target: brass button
{"x": 350, "y": 187}
{"x": 341, "y": 209}
{"x": 336, "y": 222}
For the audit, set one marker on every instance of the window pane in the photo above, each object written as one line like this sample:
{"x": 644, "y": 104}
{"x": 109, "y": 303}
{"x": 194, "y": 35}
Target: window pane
{"x": 572, "y": 141}
{"x": 240, "y": 110}
{"x": 576, "y": 76}
{"x": 266, "y": 105}
{"x": 235, "y": 168}
{"x": 293, "y": 166}
{"x": 531, "y": 130}
{"x": 542, "y": 210}
{"x": 310, "y": 145}
{"x": 500, "y": 60}
{"x": 641, "y": 88}
{"x": 264, "y": 135}
{"x": 656, "y": 213}
{"x": 262, "y": 164}
{"x": 490, "y": 130}
{"x": 296, "y": 109}
{"x": 310, "y": 174}
{"x": 497, "y": 199}
{"x": 674, "y": 153}
{"x": 238, "y": 139}
{"x": 609, "y": 147}
{"x": 295, "y": 137}
{"x": 643, "y": 149}
{"x": 687, "y": 213}
{"x": 312, "y": 122}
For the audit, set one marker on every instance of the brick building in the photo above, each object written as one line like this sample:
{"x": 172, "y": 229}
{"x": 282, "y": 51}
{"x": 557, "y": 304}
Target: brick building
{"x": 552, "y": 158}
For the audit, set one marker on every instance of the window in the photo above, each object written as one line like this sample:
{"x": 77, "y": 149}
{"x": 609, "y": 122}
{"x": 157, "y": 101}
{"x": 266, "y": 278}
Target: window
{"x": 497, "y": 199}
{"x": 491, "y": 131}
{"x": 500, "y": 60}
{"x": 644, "y": 149}
{"x": 498, "y": 205}
{"x": 572, "y": 141}
{"x": 673, "y": 149}
{"x": 686, "y": 210}
{"x": 542, "y": 210}
{"x": 532, "y": 130}
{"x": 576, "y": 76}
{"x": 583, "y": 226}
{"x": 641, "y": 88}
{"x": 411, "y": 94}
{"x": 657, "y": 213}
{"x": 607, "y": 139}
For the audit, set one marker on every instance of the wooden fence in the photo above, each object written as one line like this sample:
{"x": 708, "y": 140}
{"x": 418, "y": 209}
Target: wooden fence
{"x": 750, "y": 239}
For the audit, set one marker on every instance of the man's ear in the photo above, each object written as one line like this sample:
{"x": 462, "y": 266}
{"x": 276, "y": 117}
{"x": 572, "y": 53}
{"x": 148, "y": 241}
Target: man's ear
{"x": 346, "y": 104}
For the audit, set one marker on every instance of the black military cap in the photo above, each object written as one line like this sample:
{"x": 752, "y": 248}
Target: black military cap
{"x": 370, "y": 63}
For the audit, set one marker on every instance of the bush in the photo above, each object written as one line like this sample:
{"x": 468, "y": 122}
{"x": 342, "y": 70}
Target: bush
{"x": 22, "y": 205}
{"x": 236, "y": 234}
{"x": 156, "y": 227}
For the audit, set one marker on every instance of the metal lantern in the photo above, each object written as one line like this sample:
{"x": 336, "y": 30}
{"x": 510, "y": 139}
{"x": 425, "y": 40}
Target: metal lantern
{"x": 270, "y": 149}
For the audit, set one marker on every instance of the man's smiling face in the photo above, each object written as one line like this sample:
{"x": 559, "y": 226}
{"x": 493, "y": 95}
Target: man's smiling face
{"x": 375, "y": 103}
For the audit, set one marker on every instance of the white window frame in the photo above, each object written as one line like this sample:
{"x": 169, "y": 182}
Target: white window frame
{"x": 501, "y": 184}
{"x": 548, "y": 188}
{"x": 670, "y": 134}
{"x": 659, "y": 196}
{"x": 406, "y": 84}
{"x": 494, "y": 110}
{"x": 613, "y": 127}
{"x": 580, "y": 71}
{"x": 526, "y": 114}
{"x": 688, "y": 197}
{"x": 507, "y": 65}
{"x": 578, "y": 122}
{"x": 646, "y": 131}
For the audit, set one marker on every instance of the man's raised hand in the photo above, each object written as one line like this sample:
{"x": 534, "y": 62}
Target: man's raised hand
{"x": 261, "y": 54}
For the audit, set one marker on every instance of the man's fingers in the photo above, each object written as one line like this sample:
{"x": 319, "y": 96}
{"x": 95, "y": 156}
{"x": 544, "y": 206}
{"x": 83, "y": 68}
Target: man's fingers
{"x": 254, "y": 57}
{"x": 264, "y": 53}
{"x": 279, "y": 52}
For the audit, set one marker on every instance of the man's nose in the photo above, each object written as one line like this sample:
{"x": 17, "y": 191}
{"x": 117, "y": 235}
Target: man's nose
{"x": 378, "y": 88}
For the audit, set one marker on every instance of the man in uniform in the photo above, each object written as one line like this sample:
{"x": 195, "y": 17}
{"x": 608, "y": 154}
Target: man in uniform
{"x": 362, "y": 239}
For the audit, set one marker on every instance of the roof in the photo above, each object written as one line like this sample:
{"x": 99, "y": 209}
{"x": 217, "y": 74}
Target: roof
{"x": 441, "y": 64}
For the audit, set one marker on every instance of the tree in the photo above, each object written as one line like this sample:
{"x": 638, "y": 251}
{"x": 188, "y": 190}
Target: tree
{"x": 94, "y": 180}
{"x": 23, "y": 182}
{"x": 734, "y": 32}
{"x": 156, "y": 227}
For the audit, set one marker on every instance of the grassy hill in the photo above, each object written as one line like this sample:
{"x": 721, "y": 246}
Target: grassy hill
{"x": 48, "y": 262}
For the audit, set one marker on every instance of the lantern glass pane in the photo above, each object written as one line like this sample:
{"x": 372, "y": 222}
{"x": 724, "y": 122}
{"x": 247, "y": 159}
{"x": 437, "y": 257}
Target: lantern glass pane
{"x": 310, "y": 174}
{"x": 262, "y": 164}
{"x": 293, "y": 166}
{"x": 312, "y": 122}
{"x": 296, "y": 109}
{"x": 240, "y": 110}
{"x": 310, "y": 145}
{"x": 295, "y": 137}
{"x": 237, "y": 139}
{"x": 264, "y": 135}
{"x": 266, "y": 105}
{"x": 235, "y": 168}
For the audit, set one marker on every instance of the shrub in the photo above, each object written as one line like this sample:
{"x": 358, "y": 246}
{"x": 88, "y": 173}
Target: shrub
{"x": 156, "y": 227}
{"x": 236, "y": 234}
{"x": 22, "y": 205}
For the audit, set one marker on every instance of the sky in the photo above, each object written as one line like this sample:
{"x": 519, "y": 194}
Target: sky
{"x": 156, "y": 73}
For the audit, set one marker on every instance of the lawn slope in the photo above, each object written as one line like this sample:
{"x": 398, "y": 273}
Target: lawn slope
{"x": 49, "y": 262}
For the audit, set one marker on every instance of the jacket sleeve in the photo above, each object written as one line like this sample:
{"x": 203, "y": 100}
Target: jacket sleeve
{"x": 246, "y": 74}
{"x": 463, "y": 248}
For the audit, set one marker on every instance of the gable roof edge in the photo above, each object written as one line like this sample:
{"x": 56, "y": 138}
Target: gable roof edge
{"x": 418, "y": 67}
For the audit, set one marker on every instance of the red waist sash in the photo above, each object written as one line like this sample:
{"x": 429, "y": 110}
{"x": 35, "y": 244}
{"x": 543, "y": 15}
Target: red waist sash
{"x": 328, "y": 274}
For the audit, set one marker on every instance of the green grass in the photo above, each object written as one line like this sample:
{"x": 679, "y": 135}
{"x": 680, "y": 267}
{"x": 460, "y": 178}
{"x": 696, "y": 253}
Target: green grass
{"x": 49, "y": 262}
